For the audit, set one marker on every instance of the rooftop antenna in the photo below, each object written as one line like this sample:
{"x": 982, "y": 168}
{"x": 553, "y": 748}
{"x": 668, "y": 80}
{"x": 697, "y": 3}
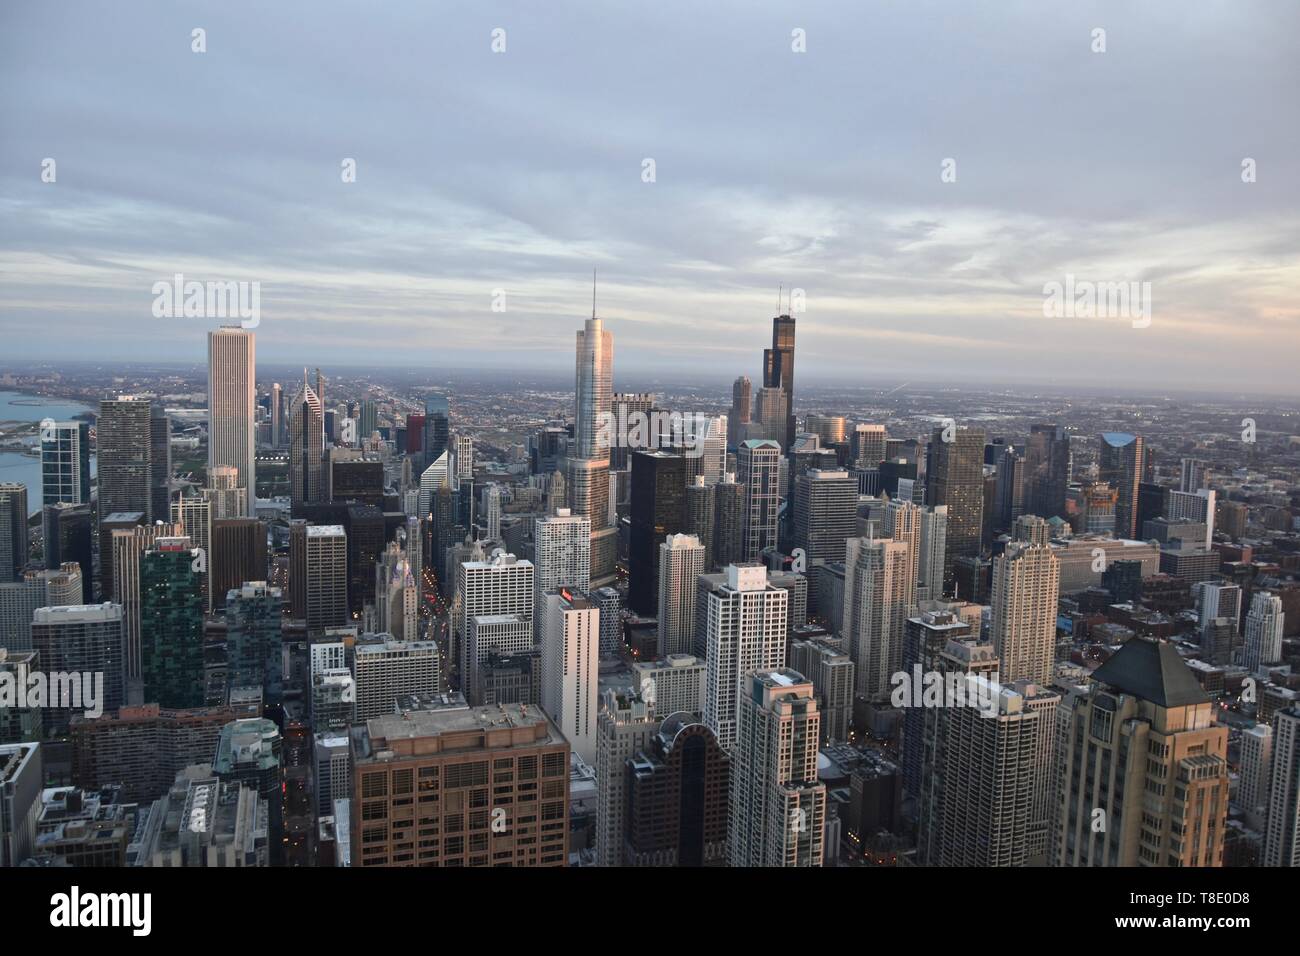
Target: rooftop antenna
{"x": 778, "y": 299}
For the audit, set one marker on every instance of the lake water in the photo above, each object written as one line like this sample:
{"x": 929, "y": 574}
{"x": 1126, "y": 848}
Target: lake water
{"x": 17, "y": 407}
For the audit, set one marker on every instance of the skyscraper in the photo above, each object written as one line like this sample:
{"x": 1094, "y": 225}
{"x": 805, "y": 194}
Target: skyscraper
{"x": 570, "y": 644}
{"x": 993, "y": 776}
{"x": 1121, "y": 463}
{"x": 1025, "y": 583}
{"x": 562, "y": 548}
{"x": 933, "y": 546}
{"x": 500, "y": 584}
{"x": 955, "y": 477}
{"x": 681, "y": 562}
{"x": 867, "y": 445}
{"x": 1165, "y": 802}
{"x": 1282, "y": 837}
{"x": 253, "y": 641}
{"x": 127, "y": 547}
{"x": 306, "y": 447}
{"x": 876, "y": 585}
{"x": 657, "y": 508}
{"x": 1264, "y": 629}
{"x": 729, "y": 499}
{"x": 1047, "y": 470}
{"x": 160, "y": 461}
{"x": 171, "y": 624}
{"x": 13, "y": 531}
{"x": 741, "y": 410}
{"x": 588, "y": 469}
{"x": 758, "y": 469}
{"x": 624, "y": 726}
{"x": 677, "y": 798}
{"x": 194, "y": 515}
{"x": 701, "y": 515}
{"x": 232, "y": 399}
{"x": 777, "y": 804}
{"x": 123, "y": 440}
{"x": 326, "y": 576}
{"x": 68, "y": 532}
{"x": 825, "y": 514}
{"x": 778, "y": 368}
{"x": 65, "y": 463}
{"x": 743, "y": 618}
{"x": 81, "y": 640}
{"x": 1193, "y": 477}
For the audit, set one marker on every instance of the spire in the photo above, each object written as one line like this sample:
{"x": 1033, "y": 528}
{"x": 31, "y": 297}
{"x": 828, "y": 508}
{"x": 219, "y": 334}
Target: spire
{"x": 593, "y": 292}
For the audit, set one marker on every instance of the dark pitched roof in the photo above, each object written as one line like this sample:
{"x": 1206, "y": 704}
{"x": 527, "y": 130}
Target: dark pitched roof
{"x": 1151, "y": 670}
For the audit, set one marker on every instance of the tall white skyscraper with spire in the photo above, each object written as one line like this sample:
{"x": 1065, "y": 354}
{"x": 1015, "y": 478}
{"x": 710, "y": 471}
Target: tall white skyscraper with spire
{"x": 588, "y": 465}
{"x": 232, "y": 399}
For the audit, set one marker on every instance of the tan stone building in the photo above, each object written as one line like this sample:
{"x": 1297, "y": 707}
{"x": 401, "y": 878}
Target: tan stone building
{"x": 1144, "y": 776}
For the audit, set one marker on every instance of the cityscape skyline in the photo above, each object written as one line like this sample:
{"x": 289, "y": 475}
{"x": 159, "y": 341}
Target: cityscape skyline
{"x": 900, "y": 271}
{"x": 401, "y": 464}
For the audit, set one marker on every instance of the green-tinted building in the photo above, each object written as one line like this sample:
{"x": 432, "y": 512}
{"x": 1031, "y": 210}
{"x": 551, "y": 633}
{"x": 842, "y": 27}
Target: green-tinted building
{"x": 171, "y": 623}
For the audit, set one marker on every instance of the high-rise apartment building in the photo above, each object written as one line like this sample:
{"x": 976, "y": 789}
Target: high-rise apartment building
{"x": 570, "y": 644}
{"x": 65, "y": 463}
{"x": 1264, "y": 629}
{"x": 758, "y": 470}
{"x": 562, "y": 553}
{"x": 742, "y": 616}
{"x": 932, "y": 547}
{"x": 85, "y": 641}
{"x": 14, "y": 545}
{"x": 877, "y": 581}
{"x": 681, "y": 562}
{"x": 501, "y": 584}
{"x": 1144, "y": 774}
{"x": 777, "y": 804}
{"x": 1025, "y": 582}
{"x": 1282, "y": 836}
{"x": 831, "y": 672}
{"x": 994, "y": 776}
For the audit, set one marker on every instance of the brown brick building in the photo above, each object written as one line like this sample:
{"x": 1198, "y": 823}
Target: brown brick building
{"x": 487, "y": 786}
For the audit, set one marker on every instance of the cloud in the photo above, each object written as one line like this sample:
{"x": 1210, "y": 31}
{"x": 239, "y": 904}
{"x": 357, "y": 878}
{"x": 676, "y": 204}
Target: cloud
{"x": 478, "y": 171}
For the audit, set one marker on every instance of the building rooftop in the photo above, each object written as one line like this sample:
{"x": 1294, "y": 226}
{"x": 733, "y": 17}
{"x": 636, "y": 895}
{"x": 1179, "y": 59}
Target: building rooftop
{"x": 377, "y": 740}
{"x": 1153, "y": 671}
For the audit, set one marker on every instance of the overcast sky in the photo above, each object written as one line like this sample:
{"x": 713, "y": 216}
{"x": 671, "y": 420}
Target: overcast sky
{"x": 523, "y": 170}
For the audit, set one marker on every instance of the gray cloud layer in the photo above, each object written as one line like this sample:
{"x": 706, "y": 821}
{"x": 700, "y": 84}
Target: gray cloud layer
{"x": 522, "y": 171}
